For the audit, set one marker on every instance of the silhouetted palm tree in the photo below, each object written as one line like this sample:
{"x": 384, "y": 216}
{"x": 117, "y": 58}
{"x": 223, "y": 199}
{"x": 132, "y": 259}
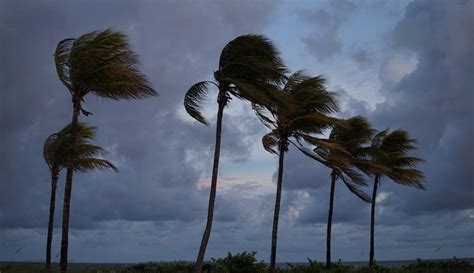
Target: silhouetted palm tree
{"x": 247, "y": 66}
{"x": 348, "y": 152}
{"x": 301, "y": 112}
{"x": 55, "y": 153}
{"x": 390, "y": 151}
{"x": 101, "y": 63}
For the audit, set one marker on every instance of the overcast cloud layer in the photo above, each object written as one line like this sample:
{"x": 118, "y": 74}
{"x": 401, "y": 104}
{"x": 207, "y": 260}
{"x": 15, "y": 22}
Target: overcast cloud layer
{"x": 402, "y": 64}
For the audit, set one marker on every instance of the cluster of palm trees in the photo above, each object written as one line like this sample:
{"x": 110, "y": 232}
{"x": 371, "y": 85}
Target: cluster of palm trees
{"x": 99, "y": 63}
{"x": 296, "y": 108}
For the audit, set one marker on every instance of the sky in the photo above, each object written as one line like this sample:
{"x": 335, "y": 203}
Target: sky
{"x": 401, "y": 64}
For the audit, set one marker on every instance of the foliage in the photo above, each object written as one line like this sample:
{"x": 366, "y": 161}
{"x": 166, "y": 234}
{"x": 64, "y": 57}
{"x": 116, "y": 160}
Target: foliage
{"x": 57, "y": 146}
{"x": 246, "y": 263}
{"x": 248, "y": 65}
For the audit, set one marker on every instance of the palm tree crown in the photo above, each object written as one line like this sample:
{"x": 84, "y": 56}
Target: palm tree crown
{"x": 300, "y": 111}
{"x": 248, "y": 65}
{"x": 56, "y": 150}
{"x": 347, "y": 151}
{"x": 101, "y": 62}
{"x": 390, "y": 152}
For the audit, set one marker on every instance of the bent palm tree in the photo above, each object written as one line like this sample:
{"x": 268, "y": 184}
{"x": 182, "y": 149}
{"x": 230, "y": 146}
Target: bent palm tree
{"x": 390, "y": 151}
{"x": 247, "y": 66}
{"x": 101, "y": 63}
{"x": 300, "y": 112}
{"x": 55, "y": 154}
{"x": 347, "y": 152}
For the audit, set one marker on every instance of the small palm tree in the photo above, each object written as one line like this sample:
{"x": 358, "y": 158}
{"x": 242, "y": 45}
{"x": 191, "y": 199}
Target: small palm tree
{"x": 55, "y": 154}
{"x": 247, "y": 66}
{"x": 101, "y": 63}
{"x": 346, "y": 153}
{"x": 390, "y": 151}
{"x": 301, "y": 111}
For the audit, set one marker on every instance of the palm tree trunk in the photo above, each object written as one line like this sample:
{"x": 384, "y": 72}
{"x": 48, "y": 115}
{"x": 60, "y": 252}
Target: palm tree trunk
{"x": 372, "y": 222}
{"x": 68, "y": 187}
{"x": 52, "y": 206}
{"x": 212, "y": 196}
{"x": 276, "y": 213}
{"x": 331, "y": 206}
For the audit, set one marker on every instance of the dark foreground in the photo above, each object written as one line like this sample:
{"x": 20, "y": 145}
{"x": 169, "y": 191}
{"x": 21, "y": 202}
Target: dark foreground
{"x": 246, "y": 263}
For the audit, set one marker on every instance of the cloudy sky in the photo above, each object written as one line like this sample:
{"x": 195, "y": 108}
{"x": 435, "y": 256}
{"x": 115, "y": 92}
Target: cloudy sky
{"x": 403, "y": 64}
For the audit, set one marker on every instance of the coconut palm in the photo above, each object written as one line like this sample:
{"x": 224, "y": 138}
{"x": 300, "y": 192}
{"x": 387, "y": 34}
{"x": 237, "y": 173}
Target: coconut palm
{"x": 300, "y": 114}
{"x": 55, "y": 154}
{"x": 101, "y": 63}
{"x": 346, "y": 154}
{"x": 247, "y": 66}
{"x": 390, "y": 151}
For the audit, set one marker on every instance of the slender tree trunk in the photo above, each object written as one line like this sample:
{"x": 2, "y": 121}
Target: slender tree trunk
{"x": 331, "y": 206}
{"x": 372, "y": 222}
{"x": 68, "y": 186}
{"x": 212, "y": 196}
{"x": 52, "y": 206}
{"x": 276, "y": 213}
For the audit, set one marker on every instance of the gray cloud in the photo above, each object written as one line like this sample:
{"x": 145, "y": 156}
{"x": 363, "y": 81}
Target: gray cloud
{"x": 324, "y": 42}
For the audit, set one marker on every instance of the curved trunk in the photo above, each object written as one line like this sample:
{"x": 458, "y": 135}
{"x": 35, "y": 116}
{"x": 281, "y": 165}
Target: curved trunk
{"x": 276, "y": 213}
{"x": 52, "y": 206}
{"x": 331, "y": 206}
{"x": 372, "y": 222}
{"x": 212, "y": 195}
{"x": 68, "y": 187}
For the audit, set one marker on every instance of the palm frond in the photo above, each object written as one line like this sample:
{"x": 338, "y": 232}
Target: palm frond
{"x": 193, "y": 99}
{"x": 89, "y": 163}
{"x": 270, "y": 142}
{"x": 62, "y": 61}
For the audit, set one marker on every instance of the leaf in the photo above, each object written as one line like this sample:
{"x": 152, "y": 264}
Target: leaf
{"x": 193, "y": 99}
{"x": 270, "y": 141}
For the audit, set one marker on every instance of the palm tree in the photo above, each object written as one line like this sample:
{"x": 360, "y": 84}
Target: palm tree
{"x": 247, "y": 66}
{"x": 102, "y": 63}
{"x": 344, "y": 152}
{"x": 390, "y": 151}
{"x": 300, "y": 113}
{"x": 55, "y": 154}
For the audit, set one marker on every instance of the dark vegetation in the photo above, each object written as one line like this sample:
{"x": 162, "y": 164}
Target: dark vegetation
{"x": 247, "y": 263}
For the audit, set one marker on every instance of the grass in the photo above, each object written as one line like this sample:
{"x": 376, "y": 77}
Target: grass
{"x": 247, "y": 263}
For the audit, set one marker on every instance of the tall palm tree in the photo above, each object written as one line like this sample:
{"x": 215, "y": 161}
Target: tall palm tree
{"x": 247, "y": 66}
{"x": 347, "y": 153}
{"x": 300, "y": 113}
{"x": 55, "y": 154}
{"x": 101, "y": 63}
{"x": 390, "y": 151}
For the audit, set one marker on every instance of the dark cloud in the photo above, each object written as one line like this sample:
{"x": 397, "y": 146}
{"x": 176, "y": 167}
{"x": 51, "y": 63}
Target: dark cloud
{"x": 324, "y": 42}
{"x": 362, "y": 57}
